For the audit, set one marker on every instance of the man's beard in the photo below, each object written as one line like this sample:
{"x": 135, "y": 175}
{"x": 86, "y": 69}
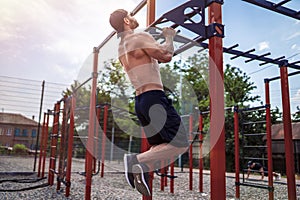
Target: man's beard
{"x": 134, "y": 24}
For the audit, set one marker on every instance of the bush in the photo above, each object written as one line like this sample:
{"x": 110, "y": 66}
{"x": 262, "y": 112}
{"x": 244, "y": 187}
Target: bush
{"x": 19, "y": 149}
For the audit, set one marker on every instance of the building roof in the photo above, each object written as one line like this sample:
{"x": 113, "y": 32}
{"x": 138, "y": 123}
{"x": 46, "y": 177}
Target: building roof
{"x": 278, "y": 133}
{"x": 12, "y": 118}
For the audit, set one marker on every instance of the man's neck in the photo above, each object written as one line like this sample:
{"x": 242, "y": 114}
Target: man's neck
{"x": 126, "y": 33}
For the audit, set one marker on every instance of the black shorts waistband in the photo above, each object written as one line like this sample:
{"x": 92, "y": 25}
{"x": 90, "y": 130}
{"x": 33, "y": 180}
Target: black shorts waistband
{"x": 151, "y": 92}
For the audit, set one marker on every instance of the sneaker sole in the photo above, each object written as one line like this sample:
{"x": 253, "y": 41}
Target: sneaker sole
{"x": 139, "y": 181}
{"x": 126, "y": 171}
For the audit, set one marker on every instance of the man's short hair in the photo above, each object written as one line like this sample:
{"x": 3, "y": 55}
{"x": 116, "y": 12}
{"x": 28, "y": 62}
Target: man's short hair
{"x": 250, "y": 163}
{"x": 116, "y": 19}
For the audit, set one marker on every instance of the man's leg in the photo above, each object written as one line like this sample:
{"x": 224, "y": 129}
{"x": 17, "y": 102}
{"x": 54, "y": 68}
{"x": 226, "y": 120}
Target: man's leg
{"x": 147, "y": 161}
{"x": 159, "y": 152}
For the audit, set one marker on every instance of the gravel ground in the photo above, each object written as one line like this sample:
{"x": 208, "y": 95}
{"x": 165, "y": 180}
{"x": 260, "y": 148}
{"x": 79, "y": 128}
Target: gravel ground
{"x": 114, "y": 187}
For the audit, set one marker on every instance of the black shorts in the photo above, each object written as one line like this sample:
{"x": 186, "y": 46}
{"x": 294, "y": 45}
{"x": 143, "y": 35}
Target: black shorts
{"x": 160, "y": 121}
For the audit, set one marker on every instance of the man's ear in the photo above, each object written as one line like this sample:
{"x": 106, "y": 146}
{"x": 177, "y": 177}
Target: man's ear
{"x": 126, "y": 20}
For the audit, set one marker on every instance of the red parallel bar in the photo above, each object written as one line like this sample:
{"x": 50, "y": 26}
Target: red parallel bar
{"x": 54, "y": 138}
{"x": 45, "y": 145}
{"x": 151, "y": 9}
{"x": 237, "y": 152}
{"x": 91, "y": 130}
{"x": 200, "y": 153}
{"x": 144, "y": 147}
{"x": 62, "y": 146}
{"x": 172, "y": 174}
{"x": 217, "y": 118}
{"x": 42, "y": 145}
{"x": 97, "y": 137}
{"x": 70, "y": 147}
{"x": 162, "y": 178}
{"x": 105, "y": 120}
{"x": 269, "y": 139}
{"x": 166, "y": 178}
{"x": 288, "y": 139}
{"x": 191, "y": 152}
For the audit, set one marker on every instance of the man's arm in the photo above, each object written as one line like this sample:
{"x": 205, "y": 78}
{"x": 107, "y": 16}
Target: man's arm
{"x": 161, "y": 52}
{"x": 248, "y": 172}
{"x": 261, "y": 170}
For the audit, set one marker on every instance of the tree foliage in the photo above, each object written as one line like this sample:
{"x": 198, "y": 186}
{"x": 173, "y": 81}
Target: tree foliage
{"x": 238, "y": 87}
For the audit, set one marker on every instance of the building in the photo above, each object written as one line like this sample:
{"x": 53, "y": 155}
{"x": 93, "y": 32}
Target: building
{"x": 278, "y": 146}
{"x": 17, "y": 129}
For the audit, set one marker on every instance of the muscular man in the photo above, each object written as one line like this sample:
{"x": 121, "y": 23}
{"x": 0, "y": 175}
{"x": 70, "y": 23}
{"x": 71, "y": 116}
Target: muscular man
{"x": 257, "y": 167}
{"x": 139, "y": 54}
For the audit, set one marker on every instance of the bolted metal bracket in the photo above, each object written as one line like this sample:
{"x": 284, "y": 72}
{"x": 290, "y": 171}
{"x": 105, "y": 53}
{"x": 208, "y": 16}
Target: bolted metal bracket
{"x": 215, "y": 29}
{"x": 191, "y": 15}
{"x": 208, "y": 2}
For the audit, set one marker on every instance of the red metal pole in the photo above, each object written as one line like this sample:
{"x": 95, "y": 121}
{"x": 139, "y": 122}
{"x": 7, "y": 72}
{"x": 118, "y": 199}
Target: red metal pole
{"x": 166, "y": 178}
{"x": 162, "y": 178}
{"x": 91, "y": 130}
{"x": 172, "y": 174}
{"x": 288, "y": 138}
{"x": 105, "y": 120}
{"x": 70, "y": 147}
{"x": 269, "y": 139}
{"x": 151, "y": 9}
{"x": 54, "y": 139}
{"x": 45, "y": 145}
{"x": 97, "y": 137}
{"x": 42, "y": 146}
{"x": 237, "y": 152}
{"x": 62, "y": 146}
{"x": 200, "y": 152}
{"x": 217, "y": 118}
{"x": 191, "y": 152}
{"x": 144, "y": 147}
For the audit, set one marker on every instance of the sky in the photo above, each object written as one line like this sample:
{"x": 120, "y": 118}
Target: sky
{"x": 52, "y": 40}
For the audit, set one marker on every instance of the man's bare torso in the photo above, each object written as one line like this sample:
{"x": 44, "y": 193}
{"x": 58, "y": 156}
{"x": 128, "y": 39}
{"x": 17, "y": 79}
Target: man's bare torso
{"x": 133, "y": 55}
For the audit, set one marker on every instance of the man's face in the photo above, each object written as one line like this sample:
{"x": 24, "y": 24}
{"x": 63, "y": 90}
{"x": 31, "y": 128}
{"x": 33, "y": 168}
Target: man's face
{"x": 132, "y": 22}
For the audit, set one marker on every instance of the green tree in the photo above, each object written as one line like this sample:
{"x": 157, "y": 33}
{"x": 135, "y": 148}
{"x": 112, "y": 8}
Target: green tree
{"x": 296, "y": 115}
{"x": 195, "y": 72}
{"x": 238, "y": 87}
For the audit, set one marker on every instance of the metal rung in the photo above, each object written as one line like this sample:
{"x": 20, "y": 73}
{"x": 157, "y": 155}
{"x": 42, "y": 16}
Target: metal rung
{"x": 255, "y": 134}
{"x": 257, "y": 122}
{"x": 252, "y": 158}
{"x": 252, "y": 109}
{"x": 81, "y": 137}
{"x": 192, "y": 141}
{"x": 199, "y": 133}
{"x": 257, "y": 186}
{"x": 255, "y": 146}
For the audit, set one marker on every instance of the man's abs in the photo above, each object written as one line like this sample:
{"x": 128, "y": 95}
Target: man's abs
{"x": 148, "y": 87}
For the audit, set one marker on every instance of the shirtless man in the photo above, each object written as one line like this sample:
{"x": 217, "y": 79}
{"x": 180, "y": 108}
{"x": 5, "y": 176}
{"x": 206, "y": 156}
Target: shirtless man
{"x": 257, "y": 167}
{"x": 139, "y": 54}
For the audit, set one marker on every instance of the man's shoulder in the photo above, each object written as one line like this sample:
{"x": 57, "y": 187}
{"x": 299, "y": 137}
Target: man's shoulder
{"x": 141, "y": 35}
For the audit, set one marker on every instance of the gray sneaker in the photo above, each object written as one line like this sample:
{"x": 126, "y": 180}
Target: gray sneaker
{"x": 129, "y": 161}
{"x": 141, "y": 178}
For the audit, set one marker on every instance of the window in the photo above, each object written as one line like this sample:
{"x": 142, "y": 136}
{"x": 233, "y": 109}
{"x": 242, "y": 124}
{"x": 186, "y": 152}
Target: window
{"x": 33, "y": 133}
{"x": 17, "y": 132}
{"x": 9, "y": 132}
{"x": 25, "y": 133}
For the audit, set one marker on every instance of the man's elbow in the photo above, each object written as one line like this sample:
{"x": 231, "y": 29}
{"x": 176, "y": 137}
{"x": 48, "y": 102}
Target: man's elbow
{"x": 166, "y": 58}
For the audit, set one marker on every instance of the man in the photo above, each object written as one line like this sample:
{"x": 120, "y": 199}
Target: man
{"x": 139, "y": 54}
{"x": 257, "y": 167}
